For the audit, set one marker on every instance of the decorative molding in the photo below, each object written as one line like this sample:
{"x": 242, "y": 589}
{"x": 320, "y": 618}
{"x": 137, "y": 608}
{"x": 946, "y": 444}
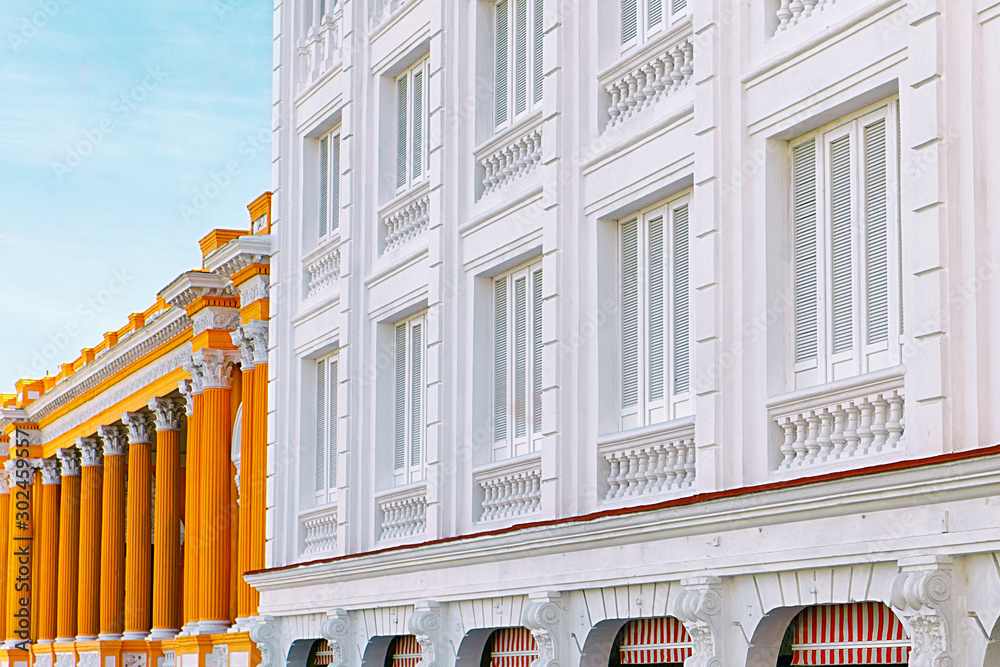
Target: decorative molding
{"x": 543, "y": 616}
{"x": 64, "y": 660}
{"x": 89, "y": 659}
{"x": 214, "y": 317}
{"x": 4, "y": 481}
{"x": 264, "y": 632}
{"x": 258, "y": 331}
{"x": 216, "y": 367}
{"x": 169, "y": 659}
{"x": 134, "y": 659}
{"x": 186, "y": 387}
{"x": 425, "y": 624}
{"x": 167, "y": 412}
{"x": 922, "y": 595}
{"x": 699, "y": 607}
{"x": 114, "y": 439}
{"x": 69, "y": 457}
{"x": 336, "y": 630}
{"x": 91, "y": 452}
{"x": 220, "y": 655}
{"x": 245, "y": 346}
{"x": 324, "y": 270}
{"x": 140, "y": 427}
{"x": 257, "y": 288}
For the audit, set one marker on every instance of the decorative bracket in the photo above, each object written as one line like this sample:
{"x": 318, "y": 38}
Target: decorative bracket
{"x": 922, "y": 596}
{"x": 543, "y": 616}
{"x": 425, "y": 623}
{"x": 336, "y": 631}
{"x": 263, "y": 630}
{"x": 699, "y": 607}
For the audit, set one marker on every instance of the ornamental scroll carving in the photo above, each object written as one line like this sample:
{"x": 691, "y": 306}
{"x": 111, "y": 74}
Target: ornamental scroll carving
{"x": 543, "y": 615}
{"x": 922, "y": 595}
{"x": 699, "y": 607}
{"x": 263, "y": 631}
{"x": 140, "y": 427}
{"x": 69, "y": 457}
{"x": 114, "y": 439}
{"x": 4, "y": 482}
{"x": 90, "y": 451}
{"x": 223, "y": 319}
{"x": 257, "y": 332}
{"x": 167, "y": 412}
{"x": 186, "y": 387}
{"x": 50, "y": 471}
{"x": 336, "y": 631}
{"x": 216, "y": 367}
{"x": 245, "y": 346}
{"x": 425, "y": 624}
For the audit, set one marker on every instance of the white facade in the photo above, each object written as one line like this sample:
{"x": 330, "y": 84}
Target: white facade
{"x": 704, "y": 292}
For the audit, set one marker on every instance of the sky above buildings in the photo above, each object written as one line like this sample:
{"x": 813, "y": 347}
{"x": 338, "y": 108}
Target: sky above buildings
{"x": 129, "y": 130}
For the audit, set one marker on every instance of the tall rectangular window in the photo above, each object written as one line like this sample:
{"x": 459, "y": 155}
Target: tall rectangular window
{"x": 326, "y": 429}
{"x": 412, "y": 121}
{"x": 409, "y": 391}
{"x": 517, "y": 361}
{"x": 655, "y": 319}
{"x": 518, "y": 69}
{"x": 845, "y": 248}
{"x": 329, "y": 184}
{"x": 643, "y": 19}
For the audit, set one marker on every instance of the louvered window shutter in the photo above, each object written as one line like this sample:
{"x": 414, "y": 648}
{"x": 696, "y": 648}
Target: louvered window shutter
{"x": 335, "y": 184}
{"x": 655, "y": 338}
{"x": 324, "y": 184}
{"x": 630, "y": 312}
{"x": 520, "y": 56}
{"x": 682, "y": 312}
{"x": 630, "y": 20}
{"x": 399, "y": 442}
{"x": 500, "y": 360}
{"x": 401, "y": 115}
{"x": 321, "y": 417}
{"x": 418, "y": 123}
{"x": 804, "y": 241}
{"x": 520, "y": 356}
{"x": 876, "y": 231}
{"x": 654, "y": 13}
{"x": 678, "y": 6}
{"x": 539, "y": 43}
{"x": 416, "y": 395}
{"x": 322, "y": 10}
{"x": 334, "y": 415}
{"x": 841, "y": 201}
{"x": 500, "y": 94}
{"x": 536, "y": 350}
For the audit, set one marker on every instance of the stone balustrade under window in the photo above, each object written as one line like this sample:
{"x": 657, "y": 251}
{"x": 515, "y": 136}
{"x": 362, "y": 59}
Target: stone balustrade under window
{"x": 403, "y": 511}
{"x": 794, "y": 12}
{"x": 323, "y": 268}
{"x": 517, "y": 158}
{"x": 510, "y": 488}
{"x": 406, "y": 223}
{"x": 648, "y": 461}
{"x": 320, "y": 528}
{"x": 641, "y": 86}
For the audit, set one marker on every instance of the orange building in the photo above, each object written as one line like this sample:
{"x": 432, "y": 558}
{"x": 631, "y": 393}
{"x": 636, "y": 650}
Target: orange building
{"x": 132, "y": 492}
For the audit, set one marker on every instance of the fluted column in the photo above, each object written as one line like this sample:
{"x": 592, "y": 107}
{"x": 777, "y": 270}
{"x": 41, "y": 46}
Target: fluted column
{"x": 69, "y": 544}
{"x": 256, "y": 487}
{"x": 138, "y": 559}
{"x": 215, "y": 480}
{"x": 4, "y": 546}
{"x": 167, "y": 528}
{"x": 191, "y": 389}
{"x": 20, "y": 473}
{"x": 112, "y": 545}
{"x": 88, "y": 599}
{"x": 48, "y": 553}
{"x": 244, "y": 602}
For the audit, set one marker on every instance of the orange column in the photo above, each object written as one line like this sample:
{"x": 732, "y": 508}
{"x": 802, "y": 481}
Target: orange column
{"x": 38, "y": 516}
{"x": 88, "y": 598}
{"x": 215, "y": 462}
{"x": 138, "y": 558}
{"x": 167, "y": 528}
{"x": 4, "y": 547}
{"x": 112, "y": 545}
{"x": 255, "y": 489}
{"x": 48, "y": 553}
{"x": 193, "y": 408}
{"x": 69, "y": 544}
{"x": 244, "y": 603}
{"x": 20, "y": 472}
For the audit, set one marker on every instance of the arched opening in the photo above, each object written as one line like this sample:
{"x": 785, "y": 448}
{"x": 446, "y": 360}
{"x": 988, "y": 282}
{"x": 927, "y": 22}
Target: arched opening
{"x": 378, "y": 652}
{"x": 860, "y": 634}
{"x": 301, "y": 651}
{"x": 661, "y": 642}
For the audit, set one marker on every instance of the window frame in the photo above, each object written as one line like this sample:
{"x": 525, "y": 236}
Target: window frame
{"x": 328, "y": 177}
{"x": 534, "y": 74}
{"x": 327, "y": 380}
{"x": 413, "y": 160}
{"x": 671, "y": 11}
{"x": 414, "y": 426}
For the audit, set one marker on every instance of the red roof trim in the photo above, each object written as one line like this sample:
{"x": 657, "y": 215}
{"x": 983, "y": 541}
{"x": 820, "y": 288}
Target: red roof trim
{"x": 676, "y": 502}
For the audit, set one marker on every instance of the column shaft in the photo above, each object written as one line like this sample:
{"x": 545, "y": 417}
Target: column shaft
{"x": 38, "y": 500}
{"x": 257, "y": 492}
{"x": 48, "y": 553}
{"x": 192, "y": 511}
{"x": 166, "y": 535}
{"x": 4, "y": 547}
{"x": 138, "y": 557}
{"x": 244, "y": 605}
{"x": 20, "y": 471}
{"x": 214, "y": 546}
{"x": 89, "y": 573}
{"x": 69, "y": 546}
{"x": 112, "y": 546}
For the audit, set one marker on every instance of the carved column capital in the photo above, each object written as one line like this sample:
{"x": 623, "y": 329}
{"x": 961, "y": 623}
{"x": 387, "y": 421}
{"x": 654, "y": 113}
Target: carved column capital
{"x": 336, "y": 630}
{"x": 425, "y": 624}
{"x": 4, "y": 481}
{"x": 257, "y": 331}
{"x": 140, "y": 427}
{"x": 167, "y": 413}
{"x": 69, "y": 457}
{"x": 50, "y": 472}
{"x": 215, "y": 317}
{"x": 91, "y": 451}
{"x": 216, "y": 367}
{"x": 186, "y": 388}
{"x": 245, "y": 346}
{"x": 195, "y": 386}
{"x": 114, "y": 440}
{"x": 922, "y": 595}
{"x": 699, "y": 608}
{"x": 263, "y": 631}
{"x": 543, "y": 616}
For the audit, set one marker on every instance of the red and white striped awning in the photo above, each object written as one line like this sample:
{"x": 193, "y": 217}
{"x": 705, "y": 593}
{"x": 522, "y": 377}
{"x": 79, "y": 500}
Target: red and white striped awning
{"x": 406, "y": 652}
{"x": 864, "y": 633}
{"x": 323, "y": 653}
{"x": 513, "y": 647}
{"x": 653, "y": 641}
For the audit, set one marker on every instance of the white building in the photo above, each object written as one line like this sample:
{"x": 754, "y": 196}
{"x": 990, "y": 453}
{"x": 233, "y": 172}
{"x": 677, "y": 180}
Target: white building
{"x": 588, "y": 312}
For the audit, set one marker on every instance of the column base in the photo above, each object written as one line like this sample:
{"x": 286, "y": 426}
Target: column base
{"x": 135, "y": 635}
{"x": 16, "y": 645}
{"x": 65, "y": 640}
{"x": 85, "y": 638}
{"x": 109, "y": 637}
{"x": 240, "y": 625}
{"x": 161, "y": 634}
{"x": 45, "y": 641}
{"x": 212, "y": 627}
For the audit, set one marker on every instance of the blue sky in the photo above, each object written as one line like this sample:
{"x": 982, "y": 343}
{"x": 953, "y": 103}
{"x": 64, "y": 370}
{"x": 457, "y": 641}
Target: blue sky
{"x": 129, "y": 131}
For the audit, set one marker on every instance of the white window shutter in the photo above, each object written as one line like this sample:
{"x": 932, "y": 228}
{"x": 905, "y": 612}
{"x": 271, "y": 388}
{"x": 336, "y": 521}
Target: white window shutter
{"x": 500, "y": 360}
{"x": 324, "y": 184}
{"x": 654, "y": 13}
{"x": 335, "y": 184}
{"x": 501, "y": 69}
{"x": 804, "y": 243}
{"x": 334, "y": 416}
{"x": 682, "y": 309}
{"x": 402, "y": 104}
{"x": 520, "y": 356}
{"x": 841, "y": 203}
{"x": 520, "y": 56}
{"x": 539, "y": 50}
{"x": 416, "y": 394}
{"x": 321, "y": 417}
{"x": 418, "y": 123}
{"x": 630, "y": 312}
{"x": 399, "y": 433}
{"x": 678, "y": 6}
{"x": 876, "y": 231}
{"x": 630, "y": 20}
{"x": 656, "y": 321}
{"x": 536, "y": 351}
